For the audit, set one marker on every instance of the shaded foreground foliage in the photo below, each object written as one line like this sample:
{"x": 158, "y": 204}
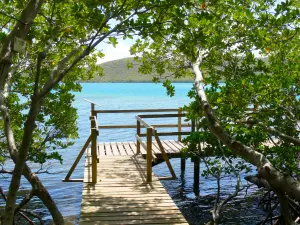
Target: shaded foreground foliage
{"x": 252, "y": 46}
{"x": 210, "y": 40}
{"x": 36, "y": 82}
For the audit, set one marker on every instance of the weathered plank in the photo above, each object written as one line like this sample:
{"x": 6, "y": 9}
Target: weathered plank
{"x": 108, "y": 149}
{"x": 114, "y": 148}
{"x": 122, "y": 195}
{"x": 101, "y": 149}
{"x": 129, "y": 148}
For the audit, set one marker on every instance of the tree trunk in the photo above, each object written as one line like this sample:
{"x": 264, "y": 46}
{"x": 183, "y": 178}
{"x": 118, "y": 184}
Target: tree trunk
{"x": 20, "y": 162}
{"x": 20, "y": 30}
{"x": 285, "y": 209}
{"x": 6, "y": 58}
{"x": 42, "y": 193}
{"x": 279, "y": 182}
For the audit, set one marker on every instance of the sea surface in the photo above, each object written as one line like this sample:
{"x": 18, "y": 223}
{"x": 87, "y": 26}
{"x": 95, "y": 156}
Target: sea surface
{"x": 194, "y": 203}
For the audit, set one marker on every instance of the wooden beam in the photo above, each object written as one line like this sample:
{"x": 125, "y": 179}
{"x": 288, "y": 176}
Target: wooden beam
{"x": 135, "y": 126}
{"x": 72, "y": 180}
{"x": 138, "y": 139}
{"x": 162, "y": 115}
{"x": 164, "y": 155}
{"x": 149, "y": 154}
{"x": 138, "y": 132}
{"x": 142, "y": 122}
{"x": 136, "y": 110}
{"x": 85, "y": 99}
{"x": 179, "y": 123}
{"x": 94, "y": 150}
{"x": 168, "y": 133}
{"x": 67, "y": 178}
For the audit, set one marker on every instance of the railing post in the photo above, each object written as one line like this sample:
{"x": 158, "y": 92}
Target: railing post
{"x": 93, "y": 110}
{"x": 138, "y": 132}
{"x": 179, "y": 123}
{"x": 149, "y": 154}
{"x": 94, "y": 149}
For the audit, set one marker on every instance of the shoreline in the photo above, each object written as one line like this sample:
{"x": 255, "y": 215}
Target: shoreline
{"x": 131, "y": 82}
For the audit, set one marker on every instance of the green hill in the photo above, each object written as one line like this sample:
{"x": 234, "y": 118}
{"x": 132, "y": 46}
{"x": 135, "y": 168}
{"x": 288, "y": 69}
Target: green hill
{"x": 117, "y": 71}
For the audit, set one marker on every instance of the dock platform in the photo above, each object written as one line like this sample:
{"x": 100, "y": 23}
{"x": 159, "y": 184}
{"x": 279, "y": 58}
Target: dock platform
{"x": 171, "y": 147}
{"x": 119, "y": 186}
{"x": 122, "y": 194}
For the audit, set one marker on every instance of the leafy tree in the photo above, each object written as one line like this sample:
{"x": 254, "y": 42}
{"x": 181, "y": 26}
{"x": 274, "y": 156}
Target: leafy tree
{"x": 217, "y": 41}
{"x": 36, "y": 83}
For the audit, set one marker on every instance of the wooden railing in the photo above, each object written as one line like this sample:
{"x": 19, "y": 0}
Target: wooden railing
{"x": 151, "y": 131}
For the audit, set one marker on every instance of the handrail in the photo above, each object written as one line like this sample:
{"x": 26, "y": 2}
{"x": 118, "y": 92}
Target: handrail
{"x": 94, "y": 128}
{"x": 151, "y": 131}
{"x": 162, "y": 115}
{"x": 135, "y": 126}
{"x": 135, "y": 110}
{"x": 85, "y": 99}
{"x": 169, "y": 133}
{"x": 144, "y": 123}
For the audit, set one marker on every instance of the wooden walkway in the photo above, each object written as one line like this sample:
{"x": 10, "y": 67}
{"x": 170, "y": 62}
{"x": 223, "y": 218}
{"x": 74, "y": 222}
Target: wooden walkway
{"x": 172, "y": 148}
{"x": 122, "y": 195}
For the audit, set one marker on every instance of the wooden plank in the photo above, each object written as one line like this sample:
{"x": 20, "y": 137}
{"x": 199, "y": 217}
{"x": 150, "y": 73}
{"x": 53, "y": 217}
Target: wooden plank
{"x": 135, "y": 221}
{"x": 124, "y": 217}
{"x": 121, "y": 148}
{"x": 168, "y": 147}
{"x": 180, "y": 144}
{"x": 122, "y": 195}
{"x": 108, "y": 149}
{"x": 127, "y": 148}
{"x": 104, "y": 212}
{"x": 133, "y": 147}
{"x": 114, "y": 148}
{"x": 101, "y": 149}
{"x": 134, "y": 203}
{"x": 155, "y": 148}
{"x": 153, "y": 223}
{"x": 176, "y": 146}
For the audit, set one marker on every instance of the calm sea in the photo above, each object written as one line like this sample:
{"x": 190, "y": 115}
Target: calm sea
{"x": 136, "y": 96}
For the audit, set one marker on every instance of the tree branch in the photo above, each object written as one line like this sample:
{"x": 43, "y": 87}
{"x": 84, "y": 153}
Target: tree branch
{"x": 278, "y": 181}
{"x": 275, "y": 132}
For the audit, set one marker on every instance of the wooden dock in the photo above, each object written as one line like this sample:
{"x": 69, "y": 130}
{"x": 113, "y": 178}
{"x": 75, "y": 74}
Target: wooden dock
{"x": 171, "y": 147}
{"x": 119, "y": 186}
{"x": 122, "y": 194}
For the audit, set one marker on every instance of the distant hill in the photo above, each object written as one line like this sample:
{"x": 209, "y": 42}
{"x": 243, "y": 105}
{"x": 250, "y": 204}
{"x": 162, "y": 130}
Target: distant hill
{"x": 117, "y": 71}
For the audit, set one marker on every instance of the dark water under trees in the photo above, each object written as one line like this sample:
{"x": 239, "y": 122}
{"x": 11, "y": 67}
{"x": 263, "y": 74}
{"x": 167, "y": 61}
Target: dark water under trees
{"x": 195, "y": 206}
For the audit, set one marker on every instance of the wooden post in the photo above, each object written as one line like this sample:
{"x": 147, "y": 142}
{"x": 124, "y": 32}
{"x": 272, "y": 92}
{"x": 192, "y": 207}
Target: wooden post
{"x": 196, "y": 175}
{"x": 149, "y": 154}
{"x": 182, "y": 165}
{"x": 94, "y": 149}
{"x": 93, "y": 110}
{"x": 138, "y": 132}
{"x": 179, "y": 123}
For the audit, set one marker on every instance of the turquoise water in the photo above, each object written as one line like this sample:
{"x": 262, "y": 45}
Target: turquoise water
{"x": 134, "y": 96}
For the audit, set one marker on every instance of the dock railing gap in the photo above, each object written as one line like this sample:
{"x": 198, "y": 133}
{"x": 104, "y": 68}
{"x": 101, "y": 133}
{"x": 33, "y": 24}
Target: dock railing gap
{"x": 151, "y": 132}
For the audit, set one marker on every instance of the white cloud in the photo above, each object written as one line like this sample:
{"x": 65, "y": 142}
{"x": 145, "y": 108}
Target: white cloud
{"x": 111, "y": 53}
